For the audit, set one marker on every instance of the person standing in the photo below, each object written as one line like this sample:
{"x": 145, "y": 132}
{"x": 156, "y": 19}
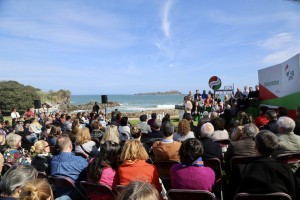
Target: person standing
{"x": 14, "y": 116}
{"x": 96, "y": 108}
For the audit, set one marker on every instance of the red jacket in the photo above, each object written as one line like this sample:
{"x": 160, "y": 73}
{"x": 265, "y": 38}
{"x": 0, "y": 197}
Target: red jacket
{"x": 139, "y": 171}
{"x": 261, "y": 121}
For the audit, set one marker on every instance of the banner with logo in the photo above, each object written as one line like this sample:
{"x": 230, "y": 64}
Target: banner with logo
{"x": 279, "y": 85}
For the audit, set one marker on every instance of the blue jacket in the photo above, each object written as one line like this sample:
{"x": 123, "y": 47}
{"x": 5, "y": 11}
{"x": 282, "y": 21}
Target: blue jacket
{"x": 67, "y": 164}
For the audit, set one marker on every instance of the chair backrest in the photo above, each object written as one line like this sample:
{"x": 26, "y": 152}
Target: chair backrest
{"x": 64, "y": 186}
{"x": 98, "y": 191}
{"x": 270, "y": 196}
{"x": 163, "y": 168}
{"x": 241, "y": 159}
{"x": 289, "y": 158}
{"x": 179, "y": 194}
{"x": 215, "y": 164}
{"x": 5, "y": 168}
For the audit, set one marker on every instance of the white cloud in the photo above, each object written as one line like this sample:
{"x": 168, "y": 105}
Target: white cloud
{"x": 281, "y": 47}
{"x": 165, "y": 18}
{"x": 278, "y": 41}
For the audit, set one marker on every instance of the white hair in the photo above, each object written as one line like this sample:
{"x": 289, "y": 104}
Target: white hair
{"x": 207, "y": 130}
{"x": 286, "y": 124}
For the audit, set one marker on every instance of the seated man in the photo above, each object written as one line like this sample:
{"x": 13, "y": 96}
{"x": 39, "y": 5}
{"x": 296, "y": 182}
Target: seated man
{"x": 245, "y": 146}
{"x": 66, "y": 163}
{"x": 287, "y": 141}
{"x": 166, "y": 149}
{"x": 211, "y": 148}
{"x": 263, "y": 174}
{"x": 156, "y": 132}
{"x": 272, "y": 124}
{"x": 145, "y": 128}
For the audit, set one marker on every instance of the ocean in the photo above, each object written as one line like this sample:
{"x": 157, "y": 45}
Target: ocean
{"x": 133, "y": 103}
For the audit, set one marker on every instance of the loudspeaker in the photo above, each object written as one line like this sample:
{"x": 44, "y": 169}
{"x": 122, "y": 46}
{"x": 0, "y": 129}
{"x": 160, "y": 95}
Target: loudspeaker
{"x": 37, "y": 104}
{"x": 104, "y": 99}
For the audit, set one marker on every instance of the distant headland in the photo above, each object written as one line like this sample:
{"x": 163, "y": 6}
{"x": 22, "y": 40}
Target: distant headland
{"x": 172, "y": 92}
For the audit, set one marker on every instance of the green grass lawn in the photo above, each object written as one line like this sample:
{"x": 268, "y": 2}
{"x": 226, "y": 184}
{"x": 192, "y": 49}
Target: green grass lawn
{"x": 175, "y": 121}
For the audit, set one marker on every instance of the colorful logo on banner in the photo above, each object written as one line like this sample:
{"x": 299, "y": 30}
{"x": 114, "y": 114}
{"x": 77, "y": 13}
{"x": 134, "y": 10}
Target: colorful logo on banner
{"x": 215, "y": 83}
{"x": 289, "y": 73}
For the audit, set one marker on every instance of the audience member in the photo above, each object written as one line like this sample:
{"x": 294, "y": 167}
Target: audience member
{"x": 211, "y": 148}
{"x": 183, "y": 132}
{"x": 68, "y": 123}
{"x": 282, "y": 112}
{"x": 287, "y": 141}
{"x": 156, "y": 132}
{"x": 111, "y": 134}
{"x": 53, "y": 135}
{"x": 104, "y": 168}
{"x": 220, "y": 132}
{"x": 297, "y": 122}
{"x": 262, "y": 119}
{"x": 152, "y": 120}
{"x": 66, "y": 163}
{"x": 272, "y": 124}
{"x": 84, "y": 143}
{"x": 1, "y": 164}
{"x": 15, "y": 154}
{"x": 189, "y": 117}
{"x": 264, "y": 174}
{"x": 242, "y": 119}
{"x": 191, "y": 173}
{"x": 137, "y": 190}
{"x": 38, "y": 189}
{"x": 124, "y": 129}
{"x": 204, "y": 119}
{"x": 135, "y": 167}
{"x": 145, "y": 128}
{"x": 42, "y": 157}
{"x": 166, "y": 149}
{"x": 3, "y": 145}
{"x": 14, "y": 179}
{"x": 97, "y": 130}
{"x": 245, "y": 146}
{"x": 136, "y": 134}
{"x": 166, "y": 118}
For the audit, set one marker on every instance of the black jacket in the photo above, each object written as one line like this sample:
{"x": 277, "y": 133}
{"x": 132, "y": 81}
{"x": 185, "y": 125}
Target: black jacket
{"x": 262, "y": 175}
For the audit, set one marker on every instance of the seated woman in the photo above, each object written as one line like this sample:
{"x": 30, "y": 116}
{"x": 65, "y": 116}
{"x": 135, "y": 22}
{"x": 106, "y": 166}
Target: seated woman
{"x": 124, "y": 129}
{"x": 139, "y": 190}
{"x": 184, "y": 131}
{"x": 135, "y": 167}
{"x": 136, "y": 133}
{"x": 55, "y": 131}
{"x": 103, "y": 169}
{"x": 191, "y": 173}
{"x": 37, "y": 189}
{"x": 42, "y": 158}
{"x": 14, "y": 180}
{"x": 111, "y": 134}
{"x": 15, "y": 154}
{"x": 220, "y": 132}
{"x": 97, "y": 130}
{"x": 84, "y": 143}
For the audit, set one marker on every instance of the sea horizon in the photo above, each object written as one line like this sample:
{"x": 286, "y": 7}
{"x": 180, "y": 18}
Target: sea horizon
{"x": 133, "y": 103}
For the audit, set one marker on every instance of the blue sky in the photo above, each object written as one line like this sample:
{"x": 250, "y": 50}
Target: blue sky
{"x": 131, "y": 46}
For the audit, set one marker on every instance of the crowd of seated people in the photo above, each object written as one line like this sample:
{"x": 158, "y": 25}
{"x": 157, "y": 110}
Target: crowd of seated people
{"x": 126, "y": 153}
